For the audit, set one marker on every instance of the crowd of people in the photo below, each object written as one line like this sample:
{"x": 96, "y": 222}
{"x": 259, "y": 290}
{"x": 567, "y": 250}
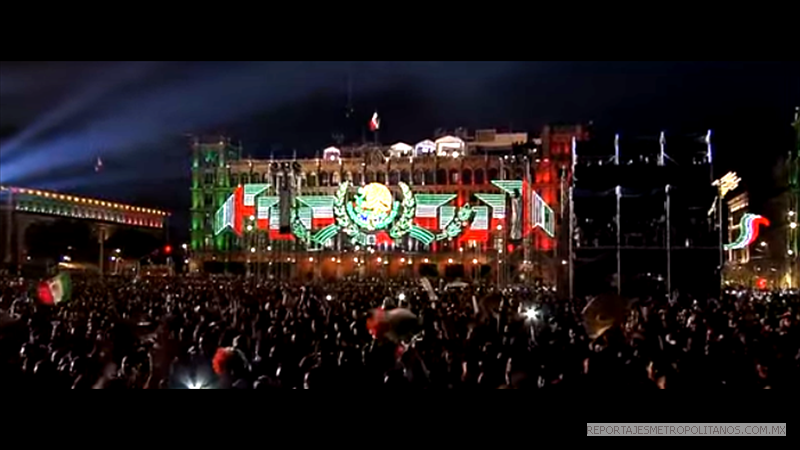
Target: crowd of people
{"x": 208, "y": 333}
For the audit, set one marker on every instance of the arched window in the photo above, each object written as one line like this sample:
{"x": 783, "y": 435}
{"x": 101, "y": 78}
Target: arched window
{"x": 381, "y": 177}
{"x": 323, "y": 179}
{"x": 358, "y": 179}
{"x": 492, "y": 174}
{"x": 311, "y": 179}
{"x": 265, "y": 178}
{"x": 520, "y": 174}
{"x": 245, "y": 178}
{"x": 466, "y": 176}
{"x": 255, "y": 177}
{"x": 234, "y": 179}
{"x": 405, "y": 176}
{"x": 370, "y": 177}
{"x": 441, "y": 176}
{"x": 453, "y": 176}
{"x": 479, "y": 176}
{"x": 394, "y": 177}
{"x": 348, "y": 176}
{"x": 419, "y": 177}
{"x": 430, "y": 178}
{"x": 506, "y": 174}
{"x": 335, "y": 178}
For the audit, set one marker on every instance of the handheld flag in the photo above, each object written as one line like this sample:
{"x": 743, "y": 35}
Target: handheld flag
{"x": 56, "y": 290}
{"x": 603, "y": 313}
{"x": 375, "y": 122}
{"x": 395, "y": 325}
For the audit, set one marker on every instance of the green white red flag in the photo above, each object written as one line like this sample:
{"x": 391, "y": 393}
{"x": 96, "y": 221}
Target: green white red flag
{"x": 55, "y": 290}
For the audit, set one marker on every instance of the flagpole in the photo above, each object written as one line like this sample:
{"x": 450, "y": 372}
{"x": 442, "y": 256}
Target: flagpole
{"x": 669, "y": 244}
{"x": 619, "y": 242}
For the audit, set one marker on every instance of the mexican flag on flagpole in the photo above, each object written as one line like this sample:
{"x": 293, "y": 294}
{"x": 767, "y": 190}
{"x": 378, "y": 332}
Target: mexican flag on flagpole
{"x": 55, "y": 290}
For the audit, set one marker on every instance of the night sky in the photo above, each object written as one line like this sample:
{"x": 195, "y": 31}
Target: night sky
{"x": 57, "y": 118}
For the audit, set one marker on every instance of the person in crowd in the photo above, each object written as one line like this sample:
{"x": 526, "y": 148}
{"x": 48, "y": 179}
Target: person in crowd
{"x": 236, "y": 333}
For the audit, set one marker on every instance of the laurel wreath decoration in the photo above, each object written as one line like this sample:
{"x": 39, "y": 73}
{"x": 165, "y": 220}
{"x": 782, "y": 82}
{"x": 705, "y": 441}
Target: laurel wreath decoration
{"x": 299, "y": 229}
{"x": 457, "y": 224}
{"x": 402, "y": 226}
{"x": 339, "y": 211}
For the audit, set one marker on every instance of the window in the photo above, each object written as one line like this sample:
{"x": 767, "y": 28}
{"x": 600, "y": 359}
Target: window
{"x": 255, "y": 178}
{"x": 381, "y": 177}
{"x": 479, "y": 176}
{"x": 234, "y": 179}
{"x": 209, "y": 178}
{"x": 466, "y": 177}
{"x": 453, "y": 176}
{"x": 441, "y": 176}
{"x": 430, "y": 178}
{"x": 245, "y": 179}
{"x": 208, "y": 201}
{"x": 492, "y": 174}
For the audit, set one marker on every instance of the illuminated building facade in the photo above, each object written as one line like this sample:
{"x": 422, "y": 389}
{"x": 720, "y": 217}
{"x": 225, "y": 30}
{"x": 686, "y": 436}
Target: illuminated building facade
{"x": 459, "y": 205}
{"x": 22, "y": 207}
{"x": 793, "y": 215}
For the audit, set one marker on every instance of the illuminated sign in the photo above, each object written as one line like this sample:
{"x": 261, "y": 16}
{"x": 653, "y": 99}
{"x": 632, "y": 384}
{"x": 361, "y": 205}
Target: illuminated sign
{"x": 748, "y": 231}
{"x": 727, "y": 183}
{"x": 374, "y": 207}
{"x": 372, "y": 214}
{"x": 543, "y": 216}
{"x": 224, "y": 217}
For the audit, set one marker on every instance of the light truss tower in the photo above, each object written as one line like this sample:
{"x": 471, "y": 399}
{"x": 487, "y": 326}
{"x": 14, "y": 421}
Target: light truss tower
{"x": 793, "y": 230}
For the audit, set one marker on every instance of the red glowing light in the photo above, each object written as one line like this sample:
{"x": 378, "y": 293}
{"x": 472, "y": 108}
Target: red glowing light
{"x": 168, "y": 249}
{"x": 762, "y": 283}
